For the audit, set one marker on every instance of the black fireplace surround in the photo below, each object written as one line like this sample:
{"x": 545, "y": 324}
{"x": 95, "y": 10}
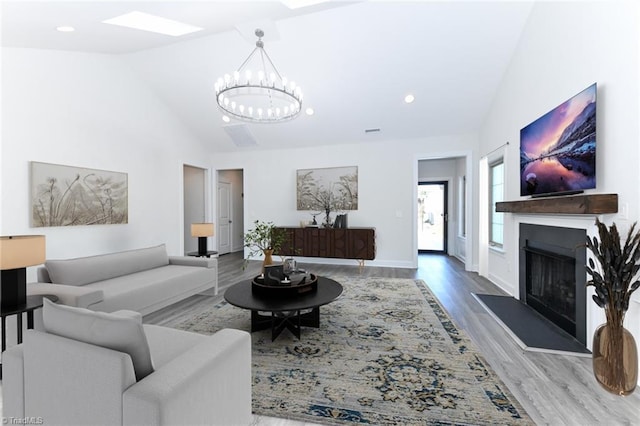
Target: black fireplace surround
{"x": 553, "y": 277}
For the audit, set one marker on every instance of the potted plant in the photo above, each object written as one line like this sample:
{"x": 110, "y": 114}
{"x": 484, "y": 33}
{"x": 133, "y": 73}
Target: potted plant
{"x": 615, "y": 356}
{"x": 264, "y": 238}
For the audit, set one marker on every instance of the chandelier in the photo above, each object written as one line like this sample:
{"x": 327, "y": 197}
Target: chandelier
{"x": 260, "y": 95}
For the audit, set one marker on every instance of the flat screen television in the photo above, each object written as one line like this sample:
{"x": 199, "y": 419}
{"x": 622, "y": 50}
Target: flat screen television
{"x": 558, "y": 150}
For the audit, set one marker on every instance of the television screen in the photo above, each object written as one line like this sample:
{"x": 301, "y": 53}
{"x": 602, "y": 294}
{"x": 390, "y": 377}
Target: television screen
{"x": 558, "y": 150}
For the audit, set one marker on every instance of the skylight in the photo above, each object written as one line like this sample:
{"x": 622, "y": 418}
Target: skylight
{"x": 156, "y": 24}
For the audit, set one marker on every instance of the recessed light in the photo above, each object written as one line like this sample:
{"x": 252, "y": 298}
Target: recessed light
{"x": 226, "y": 119}
{"x": 155, "y": 24}
{"x": 65, "y": 29}
{"x": 409, "y": 98}
{"x": 309, "y": 111}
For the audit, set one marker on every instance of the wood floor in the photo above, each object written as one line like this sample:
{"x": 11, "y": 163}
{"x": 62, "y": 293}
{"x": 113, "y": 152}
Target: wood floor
{"x": 554, "y": 389}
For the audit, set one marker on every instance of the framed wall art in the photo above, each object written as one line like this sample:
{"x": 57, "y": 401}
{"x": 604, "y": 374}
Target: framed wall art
{"x": 332, "y": 189}
{"x": 71, "y": 196}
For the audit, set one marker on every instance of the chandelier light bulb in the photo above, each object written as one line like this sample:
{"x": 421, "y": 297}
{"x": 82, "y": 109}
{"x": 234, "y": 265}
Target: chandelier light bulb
{"x": 227, "y": 78}
{"x": 241, "y": 108}
{"x": 261, "y": 76}
{"x": 284, "y": 83}
{"x": 286, "y": 110}
{"x": 233, "y": 105}
{"x": 259, "y": 112}
{"x": 250, "y": 110}
{"x": 248, "y": 75}
{"x": 236, "y": 76}
{"x": 226, "y": 119}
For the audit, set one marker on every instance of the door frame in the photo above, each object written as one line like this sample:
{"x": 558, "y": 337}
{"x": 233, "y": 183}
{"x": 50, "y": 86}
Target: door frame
{"x": 230, "y": 205}
{"x": 445, "y": 236}
{"x": 471, "y": 213}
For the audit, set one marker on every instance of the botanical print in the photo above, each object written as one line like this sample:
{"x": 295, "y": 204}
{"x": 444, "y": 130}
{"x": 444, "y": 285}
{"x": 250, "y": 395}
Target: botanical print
{"x": 69, "y": 196}
{"x": 332, "y": 189}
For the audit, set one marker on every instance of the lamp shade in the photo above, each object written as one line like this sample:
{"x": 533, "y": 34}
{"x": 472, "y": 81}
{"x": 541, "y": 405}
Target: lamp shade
{"x": 202, "y": 229}
{"x": 20, "y": 251}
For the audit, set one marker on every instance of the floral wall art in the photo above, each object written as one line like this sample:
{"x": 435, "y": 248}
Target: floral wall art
{"x": 327, "y": 190}
{"x": 70, "y": 196}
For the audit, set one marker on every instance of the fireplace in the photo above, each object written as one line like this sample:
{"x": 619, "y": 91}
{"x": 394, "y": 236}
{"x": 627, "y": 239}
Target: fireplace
{"x": 553, "y": 276}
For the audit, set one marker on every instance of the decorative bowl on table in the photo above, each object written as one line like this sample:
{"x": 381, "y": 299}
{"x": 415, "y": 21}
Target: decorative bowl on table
{"x": 292, "y": 284}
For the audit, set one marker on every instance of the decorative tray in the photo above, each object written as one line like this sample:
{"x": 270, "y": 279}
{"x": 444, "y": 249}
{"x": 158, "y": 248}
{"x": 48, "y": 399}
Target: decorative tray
{"x": 295, "y": 283}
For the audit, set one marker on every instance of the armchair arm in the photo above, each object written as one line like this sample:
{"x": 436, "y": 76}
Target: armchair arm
{"x": 210, "y": 384}
{"x": 13, "y": 383}
{"x": 62, "y": 375}
{"x": 71, "y": 295}
{"x": 205, "y": 262}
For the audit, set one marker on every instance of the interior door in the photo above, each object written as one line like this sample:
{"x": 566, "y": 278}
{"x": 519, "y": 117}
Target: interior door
{"x": 433, "y": 217}
{"x": 225, "y": 223}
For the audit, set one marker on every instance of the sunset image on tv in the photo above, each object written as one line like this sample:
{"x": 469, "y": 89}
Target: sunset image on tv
{"x": 558, "y": 150}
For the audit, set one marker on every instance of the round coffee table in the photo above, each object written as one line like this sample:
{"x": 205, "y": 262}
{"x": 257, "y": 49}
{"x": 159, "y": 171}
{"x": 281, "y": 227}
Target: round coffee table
{"x": 285, "y": 310}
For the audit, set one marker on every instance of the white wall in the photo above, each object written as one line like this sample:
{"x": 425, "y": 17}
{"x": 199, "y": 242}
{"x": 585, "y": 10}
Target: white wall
{"x": 387, "y": 176}
{"x": 566, "y": 47}
{"x": 89, "y": 110}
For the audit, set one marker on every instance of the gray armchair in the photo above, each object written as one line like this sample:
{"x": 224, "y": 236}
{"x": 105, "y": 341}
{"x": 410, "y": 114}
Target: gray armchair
{"x": 195, "y": 380}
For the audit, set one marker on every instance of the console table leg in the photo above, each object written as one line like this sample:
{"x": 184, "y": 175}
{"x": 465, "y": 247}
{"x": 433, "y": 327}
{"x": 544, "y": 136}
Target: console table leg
{"x": 360, "y": 265}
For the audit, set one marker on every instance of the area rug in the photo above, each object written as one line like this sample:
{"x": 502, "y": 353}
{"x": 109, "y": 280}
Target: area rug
{"x": 386, "y": 353}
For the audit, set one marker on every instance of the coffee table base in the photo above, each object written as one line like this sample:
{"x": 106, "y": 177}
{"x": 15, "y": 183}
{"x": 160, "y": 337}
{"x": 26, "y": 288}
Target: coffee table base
{"x": 291, "y": 320}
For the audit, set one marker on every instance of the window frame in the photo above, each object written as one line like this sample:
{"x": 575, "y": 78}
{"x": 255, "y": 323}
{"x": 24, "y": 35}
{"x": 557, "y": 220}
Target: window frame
{"x": 492, "y": 203}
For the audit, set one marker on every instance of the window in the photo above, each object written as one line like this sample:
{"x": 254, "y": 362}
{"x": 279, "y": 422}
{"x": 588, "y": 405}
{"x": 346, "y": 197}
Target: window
{"x": 496, "y": 182}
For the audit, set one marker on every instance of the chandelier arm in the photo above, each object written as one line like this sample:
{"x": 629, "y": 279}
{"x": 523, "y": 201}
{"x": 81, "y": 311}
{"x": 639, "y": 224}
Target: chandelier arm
{"x": 248, "y": 58}
{"x": 271, "y": 63}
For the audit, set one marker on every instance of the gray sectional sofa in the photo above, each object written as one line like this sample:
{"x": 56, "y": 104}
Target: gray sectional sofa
{"x": 142, "y": 280}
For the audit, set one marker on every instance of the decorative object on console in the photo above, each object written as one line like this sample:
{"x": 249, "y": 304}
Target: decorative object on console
{"x": 615, "y": 354}
{"x": 261, "y": 94}
{"x": 71, "y": 196}
{"x": 264, "y": 238}
{"x": 202, "y": 231}
{"x": 16, "y": 253}
{"x": 327, "y": 190}
{"x": 558, "y": 150}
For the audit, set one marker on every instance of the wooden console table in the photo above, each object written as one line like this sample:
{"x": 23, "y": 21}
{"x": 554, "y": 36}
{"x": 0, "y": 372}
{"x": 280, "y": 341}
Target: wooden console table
{"x": 338, "y": 243}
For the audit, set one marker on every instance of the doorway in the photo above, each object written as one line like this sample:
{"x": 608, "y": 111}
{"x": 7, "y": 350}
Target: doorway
{"x": 194, "y": 181}
{"x": 230, "y": 211}
{"x": 433, "y": 217}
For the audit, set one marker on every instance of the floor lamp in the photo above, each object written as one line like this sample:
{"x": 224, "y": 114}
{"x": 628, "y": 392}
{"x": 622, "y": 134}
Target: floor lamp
{"x": 202, "y": 231}
{"x": 16, "y": 253}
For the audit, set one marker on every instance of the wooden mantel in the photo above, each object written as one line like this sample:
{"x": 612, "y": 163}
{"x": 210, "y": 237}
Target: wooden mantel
{"x": 572, "y": 204}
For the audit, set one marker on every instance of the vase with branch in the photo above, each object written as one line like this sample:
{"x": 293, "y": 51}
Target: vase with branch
{"x": 263, "y": 239}
{"x": 614, "y": 278}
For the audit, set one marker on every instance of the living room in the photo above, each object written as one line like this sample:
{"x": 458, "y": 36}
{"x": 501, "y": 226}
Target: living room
{"x": 113, "y": 112}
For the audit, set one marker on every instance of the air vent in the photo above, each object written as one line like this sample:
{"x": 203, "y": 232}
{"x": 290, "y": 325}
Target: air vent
{"x": 240, "y": 135}
{"x": 371, "y": 130}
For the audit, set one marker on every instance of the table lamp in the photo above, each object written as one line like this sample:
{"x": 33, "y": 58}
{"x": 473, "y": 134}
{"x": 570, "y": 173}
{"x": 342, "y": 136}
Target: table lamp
{"x": 16, "y": 253}
{"x": 202, "y": 231}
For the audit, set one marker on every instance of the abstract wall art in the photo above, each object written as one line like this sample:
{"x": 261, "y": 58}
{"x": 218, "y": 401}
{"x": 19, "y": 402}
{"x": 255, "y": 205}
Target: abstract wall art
{"x": 71, "y": 196}
{"x": 333, "y": 189}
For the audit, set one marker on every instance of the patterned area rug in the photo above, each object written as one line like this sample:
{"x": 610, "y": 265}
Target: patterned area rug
{"x": 386, "y": 353}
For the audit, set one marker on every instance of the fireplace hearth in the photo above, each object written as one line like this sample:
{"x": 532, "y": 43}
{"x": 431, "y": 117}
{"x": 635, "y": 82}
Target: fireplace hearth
{"x": 553, "y": 276}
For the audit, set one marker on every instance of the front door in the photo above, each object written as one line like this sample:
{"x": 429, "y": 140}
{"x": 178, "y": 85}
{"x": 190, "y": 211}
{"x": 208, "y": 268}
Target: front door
{"x": 432, "y": 217}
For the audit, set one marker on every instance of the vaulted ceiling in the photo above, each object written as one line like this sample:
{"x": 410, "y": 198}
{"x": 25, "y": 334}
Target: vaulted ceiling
{"x": 355, "y": 61}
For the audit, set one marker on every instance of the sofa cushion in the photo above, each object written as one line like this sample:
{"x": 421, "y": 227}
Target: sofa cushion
{"x": 146, "y": 289}
{"x": 118, "y": 331}
{"x": 85, "y": 270}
